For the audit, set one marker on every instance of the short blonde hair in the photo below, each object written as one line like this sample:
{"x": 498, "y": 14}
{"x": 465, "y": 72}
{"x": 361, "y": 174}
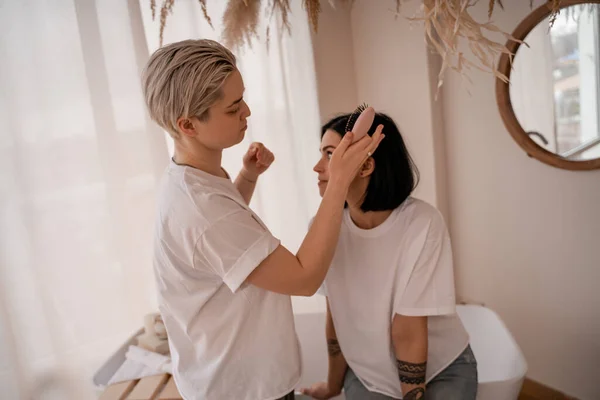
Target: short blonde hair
{"x": 184, "y": 79}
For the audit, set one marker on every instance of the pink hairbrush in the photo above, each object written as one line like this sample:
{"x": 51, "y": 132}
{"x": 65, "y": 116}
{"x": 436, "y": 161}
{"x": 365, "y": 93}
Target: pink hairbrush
{"x": 360, "y": 121}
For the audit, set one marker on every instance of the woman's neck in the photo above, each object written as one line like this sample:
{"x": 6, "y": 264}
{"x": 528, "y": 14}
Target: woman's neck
{"x": 199, "y": 157}
{"x": 355, "y": 198}
{"x": 368, "y": 219}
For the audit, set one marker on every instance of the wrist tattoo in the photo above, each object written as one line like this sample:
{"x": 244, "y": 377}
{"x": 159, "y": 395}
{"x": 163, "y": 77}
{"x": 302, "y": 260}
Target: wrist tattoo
{"x": 333, "y": 347}
{"x": 412, "y": 374}
{"x": 415, "y": 394}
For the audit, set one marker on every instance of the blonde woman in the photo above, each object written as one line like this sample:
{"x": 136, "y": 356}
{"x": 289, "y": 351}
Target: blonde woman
{"x": 223, "y": 280}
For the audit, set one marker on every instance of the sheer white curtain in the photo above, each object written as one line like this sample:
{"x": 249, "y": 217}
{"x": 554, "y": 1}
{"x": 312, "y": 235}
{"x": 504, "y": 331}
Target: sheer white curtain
{"x": 79, "y": 164}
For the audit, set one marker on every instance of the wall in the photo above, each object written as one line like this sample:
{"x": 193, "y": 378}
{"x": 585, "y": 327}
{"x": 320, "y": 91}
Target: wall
{"x": 524, "y": 234}
{"x": 334, "y": 61}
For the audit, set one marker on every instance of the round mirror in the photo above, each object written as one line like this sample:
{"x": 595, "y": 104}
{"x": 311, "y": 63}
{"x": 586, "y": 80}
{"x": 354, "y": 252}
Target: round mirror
{"x": 552, "y": 105}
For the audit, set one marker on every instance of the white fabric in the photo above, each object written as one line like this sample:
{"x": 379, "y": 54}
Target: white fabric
{"x": 140, "y": 363}
{"x": 80, "y": 165}
{"x": 403, "y": 266}
{"x": 228, "y": 339}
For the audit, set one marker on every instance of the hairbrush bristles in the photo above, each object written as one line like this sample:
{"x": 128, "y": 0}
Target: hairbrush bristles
{"x": 354, "y": 116}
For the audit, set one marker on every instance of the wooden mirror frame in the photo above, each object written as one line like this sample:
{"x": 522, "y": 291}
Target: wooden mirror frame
{"x": 505, "y": 105}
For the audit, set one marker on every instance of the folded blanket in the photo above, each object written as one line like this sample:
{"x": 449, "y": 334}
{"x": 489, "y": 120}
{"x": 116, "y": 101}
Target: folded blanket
{"x": 140, "y": 363}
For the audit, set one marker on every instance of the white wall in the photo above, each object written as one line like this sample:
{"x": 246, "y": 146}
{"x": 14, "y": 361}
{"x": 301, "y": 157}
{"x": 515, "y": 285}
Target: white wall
{"x": 334, "y": 61}
{"x": 525, "y": 235}
{"x": 392, "y": 74}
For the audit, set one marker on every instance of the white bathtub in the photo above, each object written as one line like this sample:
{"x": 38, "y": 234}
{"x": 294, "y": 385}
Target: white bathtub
{"x": 501, "y": 365}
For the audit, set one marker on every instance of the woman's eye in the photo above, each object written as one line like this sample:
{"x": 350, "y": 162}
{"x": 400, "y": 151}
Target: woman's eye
{"x": 233, "y": 111}
{"x": 328, "y": 155}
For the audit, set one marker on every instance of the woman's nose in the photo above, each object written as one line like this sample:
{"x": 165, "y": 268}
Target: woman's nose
{"x": 247, "y": 112}
{"x": 318, "y": 166}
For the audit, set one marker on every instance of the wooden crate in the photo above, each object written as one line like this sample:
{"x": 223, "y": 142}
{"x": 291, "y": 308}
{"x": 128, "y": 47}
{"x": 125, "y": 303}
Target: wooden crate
{"x": 159, "y": 387}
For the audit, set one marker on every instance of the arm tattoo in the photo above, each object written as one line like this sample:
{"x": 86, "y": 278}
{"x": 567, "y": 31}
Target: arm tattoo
{"x": 333, "y": 347}
{"x": 412, "y": 374}
{"x": 415, "y": 394}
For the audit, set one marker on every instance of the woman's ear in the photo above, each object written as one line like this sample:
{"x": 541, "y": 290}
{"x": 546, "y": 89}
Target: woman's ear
{"x": 186, "y": 127}
{"x": 367, "y": 168}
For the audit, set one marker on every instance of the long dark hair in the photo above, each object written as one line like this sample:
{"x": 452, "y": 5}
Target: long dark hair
{"x": 395, "y": 176}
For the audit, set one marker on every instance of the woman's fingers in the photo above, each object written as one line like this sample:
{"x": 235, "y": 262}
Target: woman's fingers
{"x": 368, "y": 144}
{"x": 377, "y": 138}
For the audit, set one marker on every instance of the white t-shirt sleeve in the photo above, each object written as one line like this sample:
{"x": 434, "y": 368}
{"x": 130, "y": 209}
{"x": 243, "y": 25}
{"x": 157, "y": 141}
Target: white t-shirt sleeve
{"x": 322, "y": 290}
{"x": 235, "y": 245}
{"x": 430, "y": 287}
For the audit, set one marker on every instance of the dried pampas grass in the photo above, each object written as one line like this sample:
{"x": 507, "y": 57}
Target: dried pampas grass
{"x": 554, "y": 6}
{"x": 280, "y": 8}
{"x": 165, "y": 10}
{"x": 492, "y": 5}
{"x": 205, "y": 13}
{"x": 447, "y": 23}
{"x": 313, "y": 8}
{"x": 240, "y": 22}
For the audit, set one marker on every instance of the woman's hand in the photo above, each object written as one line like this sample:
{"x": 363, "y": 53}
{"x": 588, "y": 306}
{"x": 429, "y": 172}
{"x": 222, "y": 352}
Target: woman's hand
{"x": 256, "y": 161}
{"x": 348, "y": 158}
{"x": 320, "y": 391}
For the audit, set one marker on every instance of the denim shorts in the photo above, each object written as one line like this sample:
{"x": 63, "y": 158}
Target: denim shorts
{"x": 458, "y": 381}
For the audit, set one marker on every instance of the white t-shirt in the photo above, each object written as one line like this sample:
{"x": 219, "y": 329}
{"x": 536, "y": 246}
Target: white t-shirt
{"x": 228, "y": 339}
{"x": 403, "y": 266}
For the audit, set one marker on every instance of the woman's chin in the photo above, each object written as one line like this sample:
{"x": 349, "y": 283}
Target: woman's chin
{"x": 242, "y": 136}
{"x": 238, "y": 139}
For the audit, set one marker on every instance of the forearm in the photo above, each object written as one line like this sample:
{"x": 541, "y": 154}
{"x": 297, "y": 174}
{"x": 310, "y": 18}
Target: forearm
{"x": 317, "y": 250}
{"x": 410, "y": 347}
{"x": 337, "y": 362}
{"x": 246, "y": 184}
